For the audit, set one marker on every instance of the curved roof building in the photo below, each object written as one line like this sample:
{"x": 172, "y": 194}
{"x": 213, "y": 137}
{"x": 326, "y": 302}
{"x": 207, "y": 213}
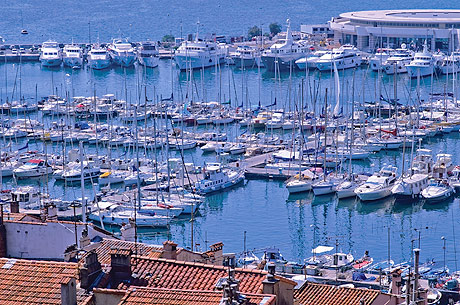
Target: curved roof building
{"x": 372, "y": 29}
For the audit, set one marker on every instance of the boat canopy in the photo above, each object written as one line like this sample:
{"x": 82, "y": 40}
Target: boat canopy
{"x": 321, "y": 249}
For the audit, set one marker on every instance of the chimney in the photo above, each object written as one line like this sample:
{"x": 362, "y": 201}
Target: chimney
{"x": 68, "y": 291}
{"x": 169, "y": 250}
{"x": 217, "y": 251}
{"x": 271, "y": 283}
{"x": 120, "y": 262}
{"x": 90, "y": 270}
{"x": 231, "y": 292}
{"x": 84, "y": 239}
{"x": 3, "y": 252}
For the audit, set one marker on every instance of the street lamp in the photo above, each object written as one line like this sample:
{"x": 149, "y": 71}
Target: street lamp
{"x": 419, "y": 231}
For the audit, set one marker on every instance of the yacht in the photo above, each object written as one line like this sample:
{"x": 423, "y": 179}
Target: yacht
{"x": 450, "y": 64}
{"x": 217, "y": 178}
{"x": 380, "y": 57}
{"x": 33, "y": 168}
{"x": 438, "y": 190}
{"x": 398, "y": 61}
{"x": 283, "y": 55}
{"x": 199, "y": 54}
{"x": 50, "y": 55}
{"x": 72, "y": 56}
{"x": 148, "y": 54}
{"x": 122, "y": 52}
{"x": 246, "y": 57}
{"x": 345, "y": 57}
{"x": 310, "y": 60}
{"x": 378, "y": 186}
{"x": 422, "y": 65}
{"x": 98, "y": 57}
{"x": 73, "y": 173}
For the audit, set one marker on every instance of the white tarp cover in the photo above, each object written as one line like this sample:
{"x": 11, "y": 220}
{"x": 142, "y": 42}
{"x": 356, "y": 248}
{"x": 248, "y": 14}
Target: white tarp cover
{"x": 321, "y": 249}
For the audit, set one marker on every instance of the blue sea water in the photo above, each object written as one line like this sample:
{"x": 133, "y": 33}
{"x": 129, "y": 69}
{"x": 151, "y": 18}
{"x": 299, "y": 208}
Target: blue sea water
{"x": 262, "y": 209}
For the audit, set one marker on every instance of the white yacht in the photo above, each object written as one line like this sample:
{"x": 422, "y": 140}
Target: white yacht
{"x": 246, "y": 57}
{"x": 423, "y": 63}
{"x": 98, "y": 57}
{"x": 450, "y": 64}
{"x": 217, "y": 178}
{"x": 73, "y": 173}
{"x": 437, "y": 191}
{"x": 33, "y": 168}
{"x": 199, "y": 54}
{"x": 379, "y": 185}
{"x": 50, "y": 55}
{"x": 309, "y": 61}
{"x": 398, "y": 61}
{"x": 148, "y": 54}
{"x": 282, "y": 55}
{"x": 72, "y": 56}
{"x": 122, "y": 52}
{"x": 380, "y": 57}
{"x": 345, "y": 57}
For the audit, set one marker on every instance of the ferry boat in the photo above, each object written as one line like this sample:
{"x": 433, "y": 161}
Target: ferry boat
{"x": 148, "y": 54}
{"x": 199, "y": 54}
{"x": 50, "y": 55}
{"x": 217, "y": 178}
{"x": 122, "y": 52}
{"x": 98, "y": 57}
{"x": 345, "y": 57}
{"x": 282, "y": 55}
{"x": 378, "y": 186}
{"x": 72, "y": 56}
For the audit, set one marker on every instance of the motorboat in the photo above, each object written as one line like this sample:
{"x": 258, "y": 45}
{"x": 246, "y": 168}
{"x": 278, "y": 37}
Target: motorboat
{"x": 379, "y": 185}
{"x": 73, "y": 173}
{"x": 327, "y": 185}
{"x": 443, "y": 166}
{"x": 33, "y": 168}
{"x": 199, "y": 54}
{"x": 217, "y": 178}
{"x": 380, "y": 57}
{"x": 310, "y": 60}
{"x": 72, "y": 56}
{"x": 450, "y": 64}
{"x": 301, "y": 182}
{"x": 122, "y": 52}
{"x": 148, "y": 54}
{"x": 423, "y": 64}
{"x": 246, "y": 57}
{"x": 283, "y": 54}
{"x": 50, "y": 55}
{"x": 397, "y": 62}
{"x": 410, "y": 186}
{"x": 119, "y": 215}
{"x": 344, "y": 57}
{"x": 346, "y": 189}
{"x": 113, "y": 177}
{"x": 98, "y": 57}
{"x": 436, "y": 191}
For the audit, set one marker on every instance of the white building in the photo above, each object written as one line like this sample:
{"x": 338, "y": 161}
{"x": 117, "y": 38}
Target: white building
{"x": 369, "y": 30}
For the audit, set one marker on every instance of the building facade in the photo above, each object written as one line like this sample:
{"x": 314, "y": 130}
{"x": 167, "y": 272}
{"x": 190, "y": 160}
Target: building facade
{"x": 369, "y": 30}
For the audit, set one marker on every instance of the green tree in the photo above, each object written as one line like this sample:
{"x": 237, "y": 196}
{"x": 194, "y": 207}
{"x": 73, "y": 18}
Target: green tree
{"x": 254, "y": 32}
{"x": 168, "y": 38}
{"x": 275, "y": 28}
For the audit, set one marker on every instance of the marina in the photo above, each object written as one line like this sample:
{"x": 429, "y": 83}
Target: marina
{"x": 300, "y": 152}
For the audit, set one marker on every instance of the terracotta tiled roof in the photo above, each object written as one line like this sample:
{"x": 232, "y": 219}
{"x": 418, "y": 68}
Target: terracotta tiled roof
{"x": 318, "y": 294}
{"x": 33, "y": 282}
{"x": 106, "y": 245}
{"x": 163, "y": 273}
{"x": 161, "y": 296}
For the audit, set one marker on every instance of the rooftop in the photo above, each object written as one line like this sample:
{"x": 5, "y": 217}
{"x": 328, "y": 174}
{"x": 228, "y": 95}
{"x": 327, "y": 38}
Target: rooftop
{"x": 33, "y": 282}
{"x": 410, "y": 16}
{"x": 160, "y": 296}
{"x": 319, "y": 294}
{"x": 172, "y": 274}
